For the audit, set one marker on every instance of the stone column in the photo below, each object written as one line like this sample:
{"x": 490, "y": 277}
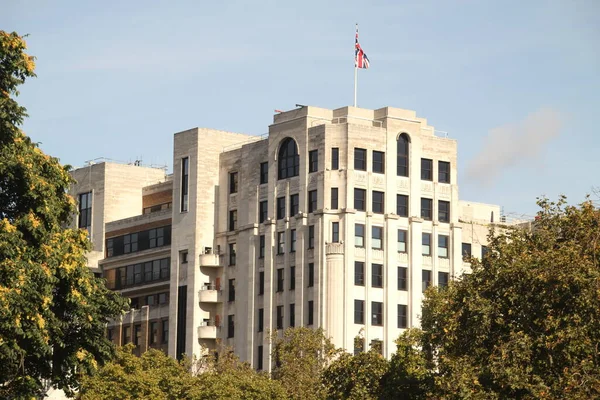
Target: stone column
{"x": 335, "y": 316}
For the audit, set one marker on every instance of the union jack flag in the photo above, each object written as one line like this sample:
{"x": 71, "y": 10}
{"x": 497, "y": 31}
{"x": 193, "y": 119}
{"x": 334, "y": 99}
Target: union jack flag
{"x": 360, "y": 57}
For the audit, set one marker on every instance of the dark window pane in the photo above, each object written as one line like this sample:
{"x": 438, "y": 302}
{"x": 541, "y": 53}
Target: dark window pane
{"x": 443, "y": 211}
{"x": 402, "y": 155}
{"x": 426, "y": 209}
{"x": 288, "y": 159}
{"x": 264, "y": 172}
{"x": 443, "y": 172}
{"x": 378, "y": 162}
{"x": 359, "y": 235}
{"x": 360, "y": 159}
{"x": 376, "y": 313}
{"x": 359, "y": 273}
{"x": 377, "y": 275}
{"x": 335, "y": 158}
{"x": 402, "y": 278}
{"x": 426, "y": 169}
{"x": 359, "y": 311}
{"x": 313, "y": 161}
{"x": 378, "y": 202}
{"x": 334, "y": 198}
{"x": 360, "y": 197}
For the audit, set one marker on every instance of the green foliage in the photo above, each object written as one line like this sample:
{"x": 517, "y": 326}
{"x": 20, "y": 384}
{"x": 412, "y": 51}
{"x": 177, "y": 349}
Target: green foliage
{"x": 53, "y": 310}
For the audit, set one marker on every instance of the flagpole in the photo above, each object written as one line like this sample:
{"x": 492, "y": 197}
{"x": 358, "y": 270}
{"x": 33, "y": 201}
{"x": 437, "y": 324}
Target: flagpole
{"x": 355, "y": 68}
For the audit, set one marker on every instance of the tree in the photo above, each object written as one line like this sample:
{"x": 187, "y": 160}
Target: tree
{"x": 53, "y": 310}
{"x": 300, "y": 355}
{"x": 526, "y": 323}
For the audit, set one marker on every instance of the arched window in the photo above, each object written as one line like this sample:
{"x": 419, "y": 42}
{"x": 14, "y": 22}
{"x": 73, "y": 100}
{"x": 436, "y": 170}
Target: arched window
{"x": 402, "y": 154}
{"x": 288, "y": 159}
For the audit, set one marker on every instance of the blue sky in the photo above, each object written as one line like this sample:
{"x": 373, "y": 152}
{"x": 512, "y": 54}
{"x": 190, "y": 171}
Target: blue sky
{"x": 516, "y": 83}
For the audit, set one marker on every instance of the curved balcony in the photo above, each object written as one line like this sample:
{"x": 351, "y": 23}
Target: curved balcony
{"x": 210, "y": 260}
{"x": 209, "y": 294}
{"x": 207, "y": 330}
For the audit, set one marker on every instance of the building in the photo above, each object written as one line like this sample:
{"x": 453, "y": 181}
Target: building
{"x": 336, "y": 219}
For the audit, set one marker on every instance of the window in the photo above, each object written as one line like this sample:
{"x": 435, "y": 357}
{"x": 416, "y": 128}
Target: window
{"x": 126, "y": 335}
{"x": 280, "y": 242}
{"x": 425, "y": 279}
{"x": 262, "y": 211}
{"x": 359, "y": 345}
{"x": 466, "y": 251}
{"x": 312, "y": 201}
{"x": 137, "y": 340}
{"x": 402, "y": 205}
{"x": 484, "y": 251}
{"x": 359, "y": 235}
{"x": 443, "y": 172}
{"x": 335, "y": 232}
{"x": 232, "y": 220}
{"x": 443, "y": 279}
{"x": 360, "y": 199}
{"x": 313, "y": 161}
{"x": 85, "y": 211}
{"x": 334, "y": 198}
{"x": 280, "y": 207}
{"x": 360, "y": 159}
{"x": 130, "y": 243}
{"x": 359, "y": 273}
{"x": 293, "y": 241}
{"x": 231, "y": 290}
{"x": 311, "y": 312}
{"x": 233, "y": 182}
{"x": 376, "y": 313}
{"x": 426, "y": 169}
{"x": 292, "y": 277}
{"x": 335, "y": 158}
{"x": 311, "y": 274}
{"x": 110, "y": 247}
{"x": 183, "y": 256}
{"x": 359, "y": 311}
{"x": 288, "y": 159}
{"x": 153, "y": 332}
{"x": 261, "y": 319}
{"x": 292, "y": 315}
{"x": 378, "y": 202}
{"x": 402, "y": 235}
{"x": 259, "y": 364}
{"x": 426, "y": 209}
{"x": 163, "y": 298}
{"x": 264, "y": 172}
{"x": 402, "y": 155}
{"x": 165, "y": 331}
{"x": 376, "y": 275}
{"x": 377, "y": 346}
{"x": 110, "y": 334}
{"x": 294, "y": 204}
{"x": 185, "y": 167}
{"x": 232, "y": 253}
{"x": 230, "y": 326}
{"x": 426, "y": 244}
{"x": 402, "y": 278}
{"x": 261, "y": 246}
{"x": 443, "y": 211}
{"x": 261, "y": 282}
{"x": 138, "y": 241}
{"x": 279, "y": 317}
{"x": 443, "y": 246}
{"x": 311, "y": 236}
{"x": 377, "y": 237}
{"x": 402, "y": 311}
{"x": 157, "y": 237}
{"x": 378, "y": 162}
{"x": 280, "y": 280}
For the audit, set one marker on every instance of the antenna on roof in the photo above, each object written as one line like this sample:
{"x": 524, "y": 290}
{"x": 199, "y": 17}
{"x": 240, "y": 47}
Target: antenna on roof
{"x": 300, "y": 105}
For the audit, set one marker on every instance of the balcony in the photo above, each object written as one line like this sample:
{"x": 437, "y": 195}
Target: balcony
{"x": 209, "y": 294}
{"x": 207, "y": 330}
{"x": 210, "y": 260}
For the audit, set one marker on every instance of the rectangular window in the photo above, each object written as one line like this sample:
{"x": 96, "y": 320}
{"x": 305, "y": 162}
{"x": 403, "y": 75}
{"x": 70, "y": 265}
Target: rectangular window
{"x": 426, "y": 244}
{"x": 443, "y": 211}
{"x": 137, "y": 340}
{"x": 402, "y": 237}
{"x": 359, "y": 273}
{"x": 313, "y": 161}
{"x": 378, "y": 202}
{"x": 359, "y": 345}
{"x": 335, "y": 158}
{"x": 466, "y": 251}
{"x": 402, "y": 312}
{"x": 335, "y": 232}
{"x": 443, "y": 172}
{"x": 233, "y": 182}
{"x": 163, "y": 298}
{"x": 334, "y": 198}
{"x": 292, "y": 241}
{"x": 292, "y": 315}
{"x": 85, "y": 211}
{"x": 264, "y": 172}
{"x": 376, "y": 275}
{"x": 280, "y": 207}
{"x": 359, "y": 312}
{"x": 185, "y": 170}
{"x": 311, "y": 312}
{"x": 377, "y": 346}
{"x": 377, "y": 237}
{"x": 402, "y": 278}
{"x": 279, "y": 317}
{"x": 484, "y": 251}
{"x": 425, "y": 279}
{"x": 311, "y": 236}
{"x": 292, "y": 277}
{"x": 426, "y": 209}
{"x": 280, "y": 242}
{"x": 360, "y": 199}
{"x": 231, "y": 290}
{"x": 261, "y": 282}
{"x": 443, "y": 279}
{"x": 426, "y": 169}
{"x": 294, "y": 204}
{"x": 311, "y": 274}
{"x": 230, "y": 326}
{"x": 402, "y": 205}
{"x": 126, "y": 335}
{"x": 280, "y": 279}
{"x": 232, "y": 220}
{"x": 359, "y": 235}
{"x": 378, "y": 162}
{"x": 261, "y": 246}
{"x": 376, "y": 313}
{"x": 232, "y": 253}
{"x": 153, "y": 332}
{"x": 312, "y": 201}
{"x": 360, "y": 159}
{"x": 443, "y": 246}
{"x": 261, "y": 319}
{"x": 259, "y": 364}
{"x": 263, "y": 207}
{"x": 165, "y": 331}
